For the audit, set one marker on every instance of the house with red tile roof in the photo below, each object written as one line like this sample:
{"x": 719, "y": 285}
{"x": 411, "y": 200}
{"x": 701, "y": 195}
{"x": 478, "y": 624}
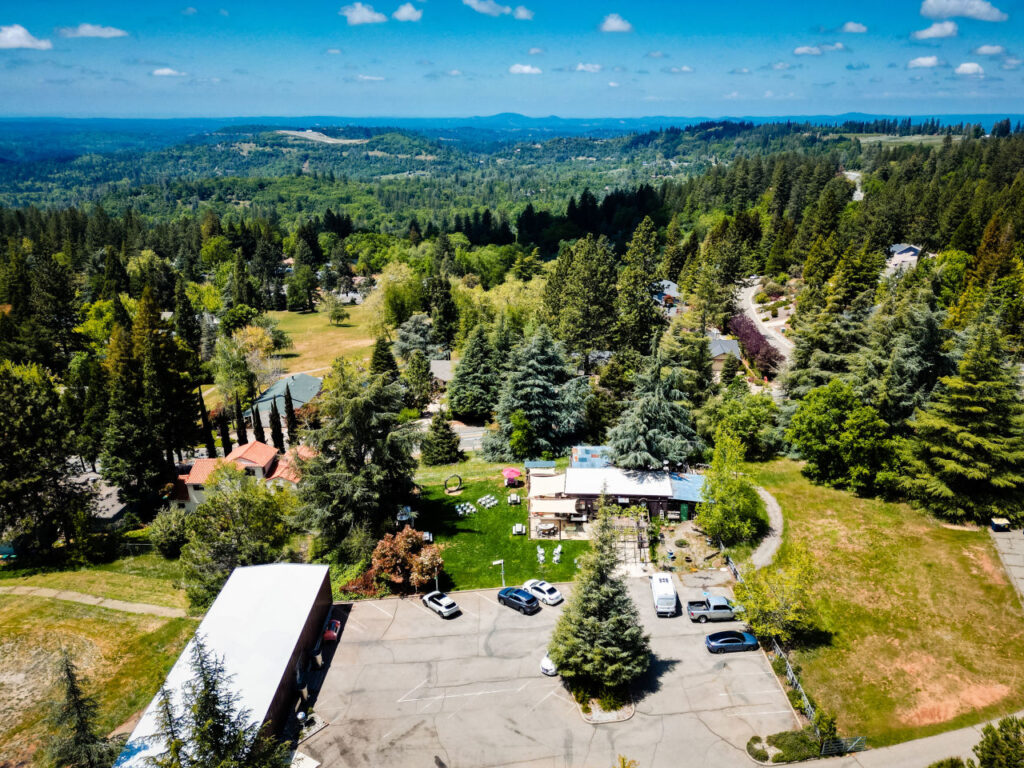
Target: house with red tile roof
{"x": 258, "y": 459}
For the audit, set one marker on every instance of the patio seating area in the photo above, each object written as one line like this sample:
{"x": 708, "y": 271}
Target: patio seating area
{"x": 560, "y": 530}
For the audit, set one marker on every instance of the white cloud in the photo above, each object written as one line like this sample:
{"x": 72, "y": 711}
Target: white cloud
{"x": 779, "y": 66}
{"x": 768, "y": 94}
{"x": 989, "y": 50}
{"x": 937, "y": 30}
{"x": 613, "y": 84}
{"x": 923, "y": 62}
{"x": 1011, "y": 63}
{"x": 982, "y": 10}
{"x": 732, "y": 95}
{"x": 223, "y": 12}
{"x": 524, "y": 69}
{"x": 614, "y": 23}
{"x": 454, "y": 73}
{"x": 854, "y": 28}
{"x": 168, "y": 72}
{"x": 334, "y": 51}
{"x": 971, "y": 69}
{"x": 92, "y": 30}
{"x": 807, "y": 50}
{"x": 833, "y": 47}
{"x": 655, "y": 55}
{"x": 407, "y": 12}
{"x": 357, "y": 13}
{"x": 190, "y": 11}
{"x": 740, "y": 71}
{"x": 581, "y": 67}
{"x": 16, "y": 36}
{"x": 535, "y": 51}
{"x": 488, "y": 7}
{"x": 369, "y": 78}
{"x": 522, "y": 13}
{"x": 683, "y": 70}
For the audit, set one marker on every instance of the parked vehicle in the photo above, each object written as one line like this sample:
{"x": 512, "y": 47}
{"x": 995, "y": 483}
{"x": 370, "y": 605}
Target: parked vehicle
{"x": 547, "y": 666}
{"x": 664, "y": 594}
{"x": 712, "y": 608}
{"x": 520, "y": 599}
{"x": 543, "y": 591}
{"x": 332, "y": 630}
{"x": 730, "y": 641}
{"x": 441, "y": 604}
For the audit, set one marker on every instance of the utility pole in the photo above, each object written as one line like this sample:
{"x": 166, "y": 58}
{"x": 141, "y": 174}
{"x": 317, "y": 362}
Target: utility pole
{"x": 502, "y": 564}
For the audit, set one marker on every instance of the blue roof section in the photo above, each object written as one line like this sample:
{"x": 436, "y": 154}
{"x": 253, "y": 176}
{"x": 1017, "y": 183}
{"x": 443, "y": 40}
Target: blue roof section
{"x": 687, "y": 487}
{"x": 589, "y": 456}
{"x": 539, "y": 464}
{"x": 302, "y": 386}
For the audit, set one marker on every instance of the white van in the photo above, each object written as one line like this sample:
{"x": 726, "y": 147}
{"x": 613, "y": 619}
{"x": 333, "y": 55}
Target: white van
{"x": 664, "y": 593}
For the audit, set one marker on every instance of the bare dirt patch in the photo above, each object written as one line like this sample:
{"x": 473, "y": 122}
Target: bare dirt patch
{"x": 982, "y": 563}
{"x": 942, "y": 701}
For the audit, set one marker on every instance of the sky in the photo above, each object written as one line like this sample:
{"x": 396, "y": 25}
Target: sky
{"x": 455, "y": 58}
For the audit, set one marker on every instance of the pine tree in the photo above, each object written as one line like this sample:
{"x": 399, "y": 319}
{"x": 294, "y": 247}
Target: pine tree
{"x": 419, "y": 380}
{"x": 473, "y": 390}
{"x": 257, "y": 425}
{"x": 638, "y": 317}
{"x": 587, "y": 298}
{"x": 440, "y": 445}
{"x": 78, "y": 742}
{"x": 186, "y": 322}
{"x": 276, "y": 435}
{"x": 204, "y": 417}
{"x": 965, "y": 459}
{"x": 599, "y": 645}
{"x": 240, "y": 432}
{"x": 444, "y": 315}
{"x": 225, "y": 432}
{"x": 382, "y": 362}
{"x": 289, "y": 417}
{"x": 653, "y": 429}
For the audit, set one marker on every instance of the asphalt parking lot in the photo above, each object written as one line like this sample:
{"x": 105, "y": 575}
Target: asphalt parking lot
{"x": 406, "y": 688}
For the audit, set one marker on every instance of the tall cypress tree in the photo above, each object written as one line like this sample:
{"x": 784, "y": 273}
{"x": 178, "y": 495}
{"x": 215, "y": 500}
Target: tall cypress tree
{"x": 966, "y": 456}
{"x": 257, "y": 425}
{"x": 276, "y": 436}
{"x": 638, "y": 317}
{"x": 473, "y": 391}
{"x": 240, "y": 433}
{"x": 289, "y": 417}
{"x": 186, "y": 322}
{"x": 382, "y": 362}
{"x": 204, "y": 416}
{"x": 225, "y": 432}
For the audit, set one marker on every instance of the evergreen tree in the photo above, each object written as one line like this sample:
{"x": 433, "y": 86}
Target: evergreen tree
{"x": 225, "y": 432}
{"x": 130, "y": 459}
{"x": 290, "y": 422}
{"x": 361, "y": 474}
{"x": 186, "y": 322}
{"x": 444, "y": 315}
{"x": 728, "y": 511}
{"x": 382, "y": 362}
{"x": 204, "y": 417}
{"x": 599, "y": 645}
{"x": 966, "y": 455}
{"x": 415, "y": 334}
{"x": 84, "y": 403}
{"x": 78, "y": 742}
{"x": 240, "y": 432}
{"x": 419, "y": 380}
{"x": 587, "y": 298}
{"x": 276, "y": 434}
{"x": 638, "y": 317}
{"x": 473, "y": 390}
{"x": 208, "y": 727}
{"x": 731, "y": 368}
{"x": 257, "y": 425}
{"x": 653, "y": 429}
{"x": 440, "y": 444}
{"x": 687, "y": 351}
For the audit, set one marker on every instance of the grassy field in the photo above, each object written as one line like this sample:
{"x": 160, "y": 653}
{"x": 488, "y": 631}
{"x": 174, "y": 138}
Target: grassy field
{"x": 472, "y": 543}
{"x": 891, "y": 139}
{"x": 316, "y": 343}
{"x": 927, "y": 633}
{"x": 124, "y": 656}
{"x": 147, "y": 578}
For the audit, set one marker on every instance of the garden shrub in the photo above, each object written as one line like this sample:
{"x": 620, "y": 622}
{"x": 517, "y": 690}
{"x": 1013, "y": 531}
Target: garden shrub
{"x": 794, "y": 745}
{"x": 755, "y": 748}
{"x": 167, "y": 532}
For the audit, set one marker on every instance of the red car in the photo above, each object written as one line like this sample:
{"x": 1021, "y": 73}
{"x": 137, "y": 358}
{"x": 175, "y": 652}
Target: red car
{"x": 332, "y": 631}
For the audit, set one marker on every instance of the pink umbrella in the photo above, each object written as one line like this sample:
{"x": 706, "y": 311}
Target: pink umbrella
{"x": 510, "y": 473}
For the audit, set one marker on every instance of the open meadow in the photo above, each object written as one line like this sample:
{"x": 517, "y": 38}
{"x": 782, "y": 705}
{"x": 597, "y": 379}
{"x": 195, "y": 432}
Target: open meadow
{"x": 924, "y": 632}
{"x": 316, "y": 343}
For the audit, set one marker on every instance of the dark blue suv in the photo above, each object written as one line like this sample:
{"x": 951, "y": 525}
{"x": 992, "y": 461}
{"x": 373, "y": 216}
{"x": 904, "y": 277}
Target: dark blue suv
{"x": 520, "y": 599}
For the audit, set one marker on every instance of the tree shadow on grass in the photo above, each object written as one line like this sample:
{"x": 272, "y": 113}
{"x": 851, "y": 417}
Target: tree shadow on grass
{"x": 814, "y": 637}
{"x": 651, "y": 681}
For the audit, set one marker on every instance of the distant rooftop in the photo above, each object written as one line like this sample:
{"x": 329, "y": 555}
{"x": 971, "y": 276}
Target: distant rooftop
{"x": 592, "y": 456}
{"x": 442, "y": 370}
{"x": 302, "y": 386}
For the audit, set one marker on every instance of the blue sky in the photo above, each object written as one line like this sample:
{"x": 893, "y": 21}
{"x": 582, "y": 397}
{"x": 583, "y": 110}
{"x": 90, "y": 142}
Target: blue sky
{"x": 478, "y": 57}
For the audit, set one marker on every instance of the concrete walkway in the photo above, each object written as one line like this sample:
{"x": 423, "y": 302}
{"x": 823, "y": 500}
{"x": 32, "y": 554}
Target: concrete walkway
{"x": 102, "y": 602}
{"x": 1010, "y": 546}
{"x": 770, "y": 544}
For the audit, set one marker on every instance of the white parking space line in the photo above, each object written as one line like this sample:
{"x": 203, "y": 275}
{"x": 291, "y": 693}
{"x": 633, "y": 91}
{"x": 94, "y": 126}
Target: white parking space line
{"x": 755, "y": 714}
{"x": 462, "y": 695}
{"x": 485, "y": 597}
{"x": 413, "y": 690}
{"x": 750, "y": 693}
{"x": 389, "y": 615}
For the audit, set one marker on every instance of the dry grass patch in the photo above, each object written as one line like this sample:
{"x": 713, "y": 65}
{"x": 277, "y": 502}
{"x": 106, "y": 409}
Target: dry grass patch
{"x": 124, "y": 656}
{"x": 316, "y": 343}
{"x": 926, "y": 632}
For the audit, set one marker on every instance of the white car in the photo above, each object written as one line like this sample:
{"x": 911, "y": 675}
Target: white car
{"x": 543, "y": 591}
{"x": 547, "y": 666}
{"x": 441, "y": 604}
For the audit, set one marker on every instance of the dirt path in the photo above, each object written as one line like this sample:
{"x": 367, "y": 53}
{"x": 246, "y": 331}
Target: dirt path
{"x": 770, "y": 544}
{"x": 102, "y": 602}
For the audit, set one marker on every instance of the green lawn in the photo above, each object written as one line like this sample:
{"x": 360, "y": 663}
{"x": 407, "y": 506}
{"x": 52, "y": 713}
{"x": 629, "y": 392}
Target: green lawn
{"x": 147, "y": 578}
{"x": 472, "y": 543}
{"x": 316, "y": 343}
{"x": 927, "y": 633}
{"x": 124, "y": 656}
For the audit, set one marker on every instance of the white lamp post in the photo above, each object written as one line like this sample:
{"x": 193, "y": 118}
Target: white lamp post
{"x": 502, "y": 564}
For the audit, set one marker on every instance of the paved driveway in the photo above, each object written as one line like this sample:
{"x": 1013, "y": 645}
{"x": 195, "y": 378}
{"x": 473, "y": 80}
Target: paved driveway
{"x": 1010, "y": 545}
{"x": 405, "y": 688}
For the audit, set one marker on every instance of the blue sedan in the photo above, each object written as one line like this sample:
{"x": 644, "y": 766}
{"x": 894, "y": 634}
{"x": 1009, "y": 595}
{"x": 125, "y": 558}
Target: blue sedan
{"x": 729, "y": 641}
{"x": 520, "y": 599}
